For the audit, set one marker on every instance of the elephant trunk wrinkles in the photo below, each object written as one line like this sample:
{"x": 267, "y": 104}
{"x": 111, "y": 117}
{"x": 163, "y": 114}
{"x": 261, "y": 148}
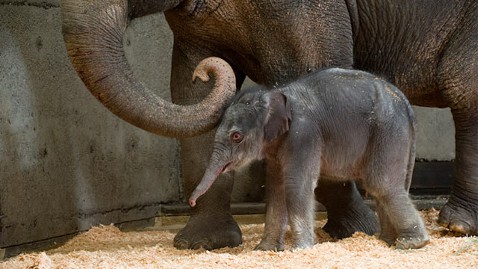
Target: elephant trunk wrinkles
{"x": 93, "y": 33}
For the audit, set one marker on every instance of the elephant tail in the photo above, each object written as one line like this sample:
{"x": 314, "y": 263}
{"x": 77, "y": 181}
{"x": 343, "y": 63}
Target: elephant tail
{"x": 413, "y": 140}
{"x": 404, "y": 105}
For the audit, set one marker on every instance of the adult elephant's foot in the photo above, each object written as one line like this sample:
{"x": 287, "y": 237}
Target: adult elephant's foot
{"x": 460, "y": 216}
{"x": 209, "y": 232}
{"x": 346, "y": 211}
{"x": 354, "y": 218}
{"x": 211, "y": 224}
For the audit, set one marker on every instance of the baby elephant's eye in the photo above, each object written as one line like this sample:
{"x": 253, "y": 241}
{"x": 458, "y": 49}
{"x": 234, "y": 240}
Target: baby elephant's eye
{"x": 236, "y": 137}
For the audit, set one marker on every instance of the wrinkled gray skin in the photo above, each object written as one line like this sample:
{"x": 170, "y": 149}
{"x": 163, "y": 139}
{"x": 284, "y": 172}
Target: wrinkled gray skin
{"x": 304, "y": 131}
{"x": 428, "y": 48}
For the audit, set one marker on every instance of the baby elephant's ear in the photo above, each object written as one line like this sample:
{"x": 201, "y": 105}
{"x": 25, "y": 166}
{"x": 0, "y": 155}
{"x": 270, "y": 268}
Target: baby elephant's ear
{"x": 279, "y": 116}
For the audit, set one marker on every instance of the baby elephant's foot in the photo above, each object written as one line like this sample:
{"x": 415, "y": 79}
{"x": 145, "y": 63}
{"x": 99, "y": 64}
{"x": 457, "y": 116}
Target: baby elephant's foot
{"x": 412, "y": 242}
{"x": 265, "y": 245}
{"x": 414, "y": 237}
{"x": 301, "y": 244}
{"x": 389, "y": 239}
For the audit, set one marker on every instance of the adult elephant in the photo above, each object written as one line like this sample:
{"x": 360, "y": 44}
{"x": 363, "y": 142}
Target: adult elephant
{"x": 428, "y": 48}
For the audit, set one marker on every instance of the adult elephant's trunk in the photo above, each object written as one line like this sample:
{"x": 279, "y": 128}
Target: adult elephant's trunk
{"x": 93, "y": 33}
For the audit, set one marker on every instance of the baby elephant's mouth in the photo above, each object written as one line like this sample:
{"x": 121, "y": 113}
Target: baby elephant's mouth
{"x": 226, "y": 168}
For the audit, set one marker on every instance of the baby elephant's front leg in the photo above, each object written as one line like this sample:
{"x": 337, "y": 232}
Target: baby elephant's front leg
{"x": 301, "y": 172}
{"x": 276, "y": 210}
{"x": 301, "y": 208}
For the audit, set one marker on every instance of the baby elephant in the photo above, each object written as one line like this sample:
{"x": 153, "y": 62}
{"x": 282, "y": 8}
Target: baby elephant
{"x": 335, "y": 124}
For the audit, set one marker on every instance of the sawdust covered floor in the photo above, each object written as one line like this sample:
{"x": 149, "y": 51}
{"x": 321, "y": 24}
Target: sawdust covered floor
{"x": 108, "y": 247}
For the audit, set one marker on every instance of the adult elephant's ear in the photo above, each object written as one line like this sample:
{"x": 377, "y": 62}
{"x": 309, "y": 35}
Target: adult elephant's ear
{"x": 278, "y": 117}
{"x": 93, "y": 33}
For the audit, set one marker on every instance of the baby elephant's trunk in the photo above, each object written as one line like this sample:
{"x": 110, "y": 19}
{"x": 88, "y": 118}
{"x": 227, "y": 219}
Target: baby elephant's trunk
{"x": 208, "y": 179}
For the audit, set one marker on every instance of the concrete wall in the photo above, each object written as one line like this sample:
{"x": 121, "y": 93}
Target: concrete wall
{"x": 67, "y": 163}
{"x": 436, "y": 134}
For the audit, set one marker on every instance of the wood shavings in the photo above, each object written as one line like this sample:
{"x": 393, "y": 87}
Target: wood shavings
{"x": 108, "y": 247}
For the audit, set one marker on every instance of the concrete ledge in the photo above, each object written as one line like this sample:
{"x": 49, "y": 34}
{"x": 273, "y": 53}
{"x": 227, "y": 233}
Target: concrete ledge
{"x": 174, "y": 217}
{"x": 421, "y": 202}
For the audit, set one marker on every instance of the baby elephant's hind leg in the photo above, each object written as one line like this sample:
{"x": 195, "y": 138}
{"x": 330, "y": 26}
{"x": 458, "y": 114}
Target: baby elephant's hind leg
{"x": 395, "y": 208}
{"x": 387, "y": 231}
{"x": 399, "y": 220}
{"x": 388, "y": 173}
{"x": 403, "y": 216}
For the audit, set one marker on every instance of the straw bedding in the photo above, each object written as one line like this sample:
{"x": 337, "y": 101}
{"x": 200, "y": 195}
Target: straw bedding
{"x": 108, "y": 247}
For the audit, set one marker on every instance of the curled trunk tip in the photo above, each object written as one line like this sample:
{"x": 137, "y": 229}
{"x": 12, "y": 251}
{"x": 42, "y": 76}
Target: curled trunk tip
{"x": 211, "y": 65}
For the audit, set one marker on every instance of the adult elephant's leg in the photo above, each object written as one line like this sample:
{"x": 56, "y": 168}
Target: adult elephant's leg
{"x": 346, "y": 211}
{"x": 211, "y": 224}
{"x": 459, "y": 83}
{"x": 460, "y": 213}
